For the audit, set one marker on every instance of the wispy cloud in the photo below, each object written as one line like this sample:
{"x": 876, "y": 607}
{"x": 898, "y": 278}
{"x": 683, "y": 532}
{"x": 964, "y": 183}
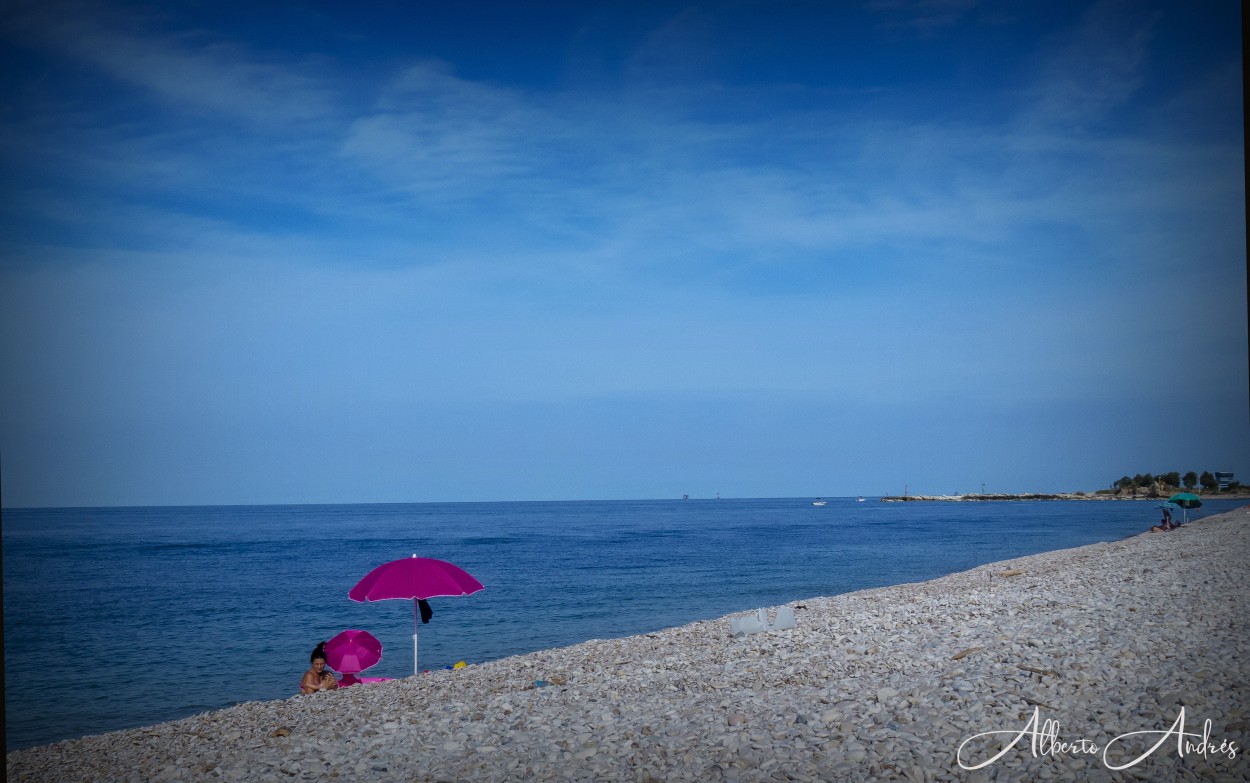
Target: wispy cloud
{"x": 200, "y": 224}
{"x": 632, "y": 182}
{"x": 442, "y": 137}
{"x": 1094, "y": 69}
{"x": 923, "y": 16}
{"x": 192, "y": 69}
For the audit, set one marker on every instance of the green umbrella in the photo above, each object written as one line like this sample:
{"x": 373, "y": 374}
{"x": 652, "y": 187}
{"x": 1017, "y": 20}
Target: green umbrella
{"x": 1186, "y": 500}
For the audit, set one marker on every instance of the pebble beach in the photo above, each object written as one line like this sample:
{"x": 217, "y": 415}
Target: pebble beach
{"x": 1059, "y": 666}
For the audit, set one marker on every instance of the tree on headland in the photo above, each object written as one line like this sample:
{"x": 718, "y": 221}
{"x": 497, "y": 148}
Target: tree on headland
{"x": 1161, "y": 484}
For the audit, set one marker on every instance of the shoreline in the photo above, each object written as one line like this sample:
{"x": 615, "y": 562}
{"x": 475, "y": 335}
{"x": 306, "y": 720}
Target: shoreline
{"x": 982, "y": 497}
{"x": 883, "y": 683}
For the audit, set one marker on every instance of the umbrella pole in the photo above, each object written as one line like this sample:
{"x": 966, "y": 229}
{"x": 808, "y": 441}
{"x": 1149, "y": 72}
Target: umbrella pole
{"x": 415, "y": 669}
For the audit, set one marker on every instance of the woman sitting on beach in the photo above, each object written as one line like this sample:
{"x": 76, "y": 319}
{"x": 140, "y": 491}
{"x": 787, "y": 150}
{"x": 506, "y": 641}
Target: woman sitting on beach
{"x": 317, "y": 678}
{"x": 1164, "y": 524}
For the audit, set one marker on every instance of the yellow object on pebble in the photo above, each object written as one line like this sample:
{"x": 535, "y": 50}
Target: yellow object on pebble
{"x": 460, "y": 665}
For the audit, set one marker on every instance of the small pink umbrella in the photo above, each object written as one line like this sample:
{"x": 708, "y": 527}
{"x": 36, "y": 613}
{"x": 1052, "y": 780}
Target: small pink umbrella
{"x": 353, "y": 651}
{"x": 415, "y": 579}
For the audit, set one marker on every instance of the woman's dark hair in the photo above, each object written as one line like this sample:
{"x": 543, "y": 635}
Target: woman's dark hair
{"x": 318, "y": 652}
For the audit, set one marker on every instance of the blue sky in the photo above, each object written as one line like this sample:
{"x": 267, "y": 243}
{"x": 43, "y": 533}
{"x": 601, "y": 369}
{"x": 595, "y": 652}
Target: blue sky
{"x": 305, "y": 253}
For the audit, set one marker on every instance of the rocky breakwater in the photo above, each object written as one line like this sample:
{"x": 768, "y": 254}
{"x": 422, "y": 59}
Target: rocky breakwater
{"x": 1061, "y": 651}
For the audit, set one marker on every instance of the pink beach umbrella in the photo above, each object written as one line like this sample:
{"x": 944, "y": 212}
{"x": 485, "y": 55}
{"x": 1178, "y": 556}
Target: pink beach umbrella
{"x": 353, "y": 651}
{"x": 414, "y": 579}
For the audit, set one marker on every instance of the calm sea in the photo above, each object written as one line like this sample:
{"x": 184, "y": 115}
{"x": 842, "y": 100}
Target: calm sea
{"x": 120, "y": 617}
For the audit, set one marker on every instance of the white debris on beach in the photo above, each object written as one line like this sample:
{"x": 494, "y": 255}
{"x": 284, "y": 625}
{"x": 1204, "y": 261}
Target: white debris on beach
{"x": 887, "y": 684}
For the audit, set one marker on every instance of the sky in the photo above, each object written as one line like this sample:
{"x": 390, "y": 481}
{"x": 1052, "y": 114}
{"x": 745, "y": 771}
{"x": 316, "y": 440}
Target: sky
{"x": 403, "y": 252}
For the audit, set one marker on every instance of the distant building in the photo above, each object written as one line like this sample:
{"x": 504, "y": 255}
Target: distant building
{"x": 1224, "y": 479}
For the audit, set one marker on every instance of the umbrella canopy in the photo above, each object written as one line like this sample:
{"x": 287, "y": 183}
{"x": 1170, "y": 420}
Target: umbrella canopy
{"x": 415, "y": 579}
{"x": 1186, "y": 500}
{"x": 353, "y": 651}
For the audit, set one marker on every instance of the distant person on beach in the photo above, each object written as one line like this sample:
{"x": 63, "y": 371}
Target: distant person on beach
{"x": 317, "y": 678}
{"x": 1165, "y": 523}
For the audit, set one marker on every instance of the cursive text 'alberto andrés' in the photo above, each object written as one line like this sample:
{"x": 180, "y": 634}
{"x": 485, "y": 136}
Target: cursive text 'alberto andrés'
{"x": 1044, "y": 740}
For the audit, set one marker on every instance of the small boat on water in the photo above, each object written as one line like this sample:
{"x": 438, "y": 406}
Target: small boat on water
{"x": 860, "y": 498}
{"x": 818, "y": 502}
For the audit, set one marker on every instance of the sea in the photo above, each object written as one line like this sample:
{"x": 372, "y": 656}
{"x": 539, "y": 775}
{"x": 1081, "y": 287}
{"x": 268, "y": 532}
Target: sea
{"x": 124, "y": 617}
